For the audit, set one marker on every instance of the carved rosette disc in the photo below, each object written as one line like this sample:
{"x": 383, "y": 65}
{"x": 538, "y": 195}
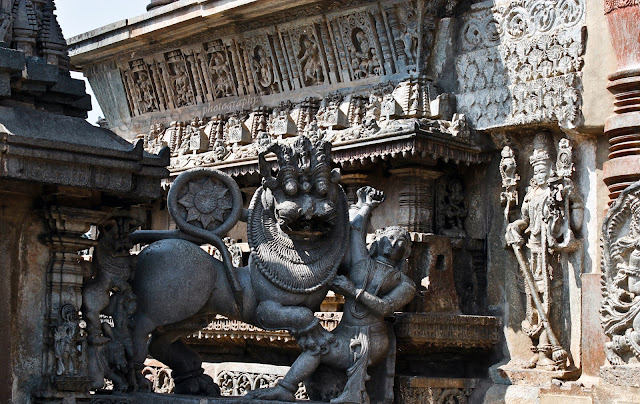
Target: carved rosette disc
{"x": 206, "y": 199}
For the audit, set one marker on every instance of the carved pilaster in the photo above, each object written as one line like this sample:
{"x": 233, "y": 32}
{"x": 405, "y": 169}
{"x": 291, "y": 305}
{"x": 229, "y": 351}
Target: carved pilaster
{"x": 416, "y": 202}
{"x": 65, "y": 359}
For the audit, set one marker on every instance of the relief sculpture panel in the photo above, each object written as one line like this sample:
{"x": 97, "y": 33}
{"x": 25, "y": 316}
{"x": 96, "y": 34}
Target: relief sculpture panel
{"x": 522, "y": 63}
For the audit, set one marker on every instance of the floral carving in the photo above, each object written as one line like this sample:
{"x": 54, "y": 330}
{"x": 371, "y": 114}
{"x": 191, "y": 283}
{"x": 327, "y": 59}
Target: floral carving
{"x": 206, "y": 203}
{"x": 522, "y": 64}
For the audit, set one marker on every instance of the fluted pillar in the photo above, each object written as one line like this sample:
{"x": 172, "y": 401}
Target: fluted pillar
{"x": 623, "y": 128}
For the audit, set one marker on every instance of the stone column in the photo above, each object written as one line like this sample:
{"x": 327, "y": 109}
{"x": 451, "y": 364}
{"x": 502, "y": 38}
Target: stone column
{"x": 65, "y": 359}
{"x": 416, "y": 206}
{"x": 623, "y": 128}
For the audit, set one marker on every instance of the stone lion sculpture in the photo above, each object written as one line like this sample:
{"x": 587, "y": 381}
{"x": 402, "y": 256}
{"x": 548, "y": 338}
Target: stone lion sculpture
{"x": 297, "y": 224}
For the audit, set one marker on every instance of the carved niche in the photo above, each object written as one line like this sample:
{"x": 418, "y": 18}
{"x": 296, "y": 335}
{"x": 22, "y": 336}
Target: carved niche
{"x": 304, "y": 48}
{"x": 550, "y": 213}
{"x": 221, "y": 76}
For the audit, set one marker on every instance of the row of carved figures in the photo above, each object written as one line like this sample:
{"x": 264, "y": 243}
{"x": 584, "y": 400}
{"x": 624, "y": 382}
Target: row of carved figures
{"x": 376, "y": 40}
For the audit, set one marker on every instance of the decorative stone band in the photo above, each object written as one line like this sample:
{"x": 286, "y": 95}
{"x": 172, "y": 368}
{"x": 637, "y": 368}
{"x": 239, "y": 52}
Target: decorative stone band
{"x": 224, "y": 328}
{"x": 424, "y": 330}
{"x": 418, "y": 390}
{"x": 407, "y": 144}
{"x": 611, "y": 5}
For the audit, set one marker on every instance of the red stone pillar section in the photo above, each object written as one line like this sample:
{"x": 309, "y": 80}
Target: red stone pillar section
{"x": 623, "y": 128}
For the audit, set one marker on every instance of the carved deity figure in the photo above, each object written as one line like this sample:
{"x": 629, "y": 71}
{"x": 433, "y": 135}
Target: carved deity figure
{"x": 551, "y": 210}
{"x": 146, "y": 94}
{"x": 310, "y": 61}
{"x": 454, "y": 207}
{"x": 510, "y": 178}
{"x": 264, "y": 70}
{"x": 374, "y": 288}
{"x": 119, "y": 350}
{"x": 364, "y": 59}
{"x": 621, "y": 278}
{"x": 409, "y": 31}
{"x": 221, "y": 75}
{"x": 184, "y": 94}
{"x": 68, "y": 339}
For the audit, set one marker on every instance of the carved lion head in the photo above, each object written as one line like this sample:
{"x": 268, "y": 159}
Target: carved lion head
{"x": 303, "y": 194}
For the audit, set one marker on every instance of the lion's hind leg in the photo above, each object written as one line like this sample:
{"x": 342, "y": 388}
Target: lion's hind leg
{"x": 185, "y": 363}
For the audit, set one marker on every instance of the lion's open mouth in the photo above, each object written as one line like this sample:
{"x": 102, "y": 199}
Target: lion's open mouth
{"x": 307, "y": 229}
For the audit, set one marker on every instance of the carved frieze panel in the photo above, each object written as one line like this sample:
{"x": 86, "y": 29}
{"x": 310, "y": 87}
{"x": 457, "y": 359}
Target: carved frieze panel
{"x": 337, "y": 45}
{"x": 265, "y": 66}
{"x": 521, "y": 63}
{"x": 308, "y": 58}
{"x": 358, "y": 45}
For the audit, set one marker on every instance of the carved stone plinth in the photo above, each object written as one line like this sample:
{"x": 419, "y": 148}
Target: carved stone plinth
{"x": 621, "y": 375}
{"x": 424, "y": 390}
{"x": 155, "y": 398}
{"x": 440, "y": 331}
{"x": 515, "y": 373}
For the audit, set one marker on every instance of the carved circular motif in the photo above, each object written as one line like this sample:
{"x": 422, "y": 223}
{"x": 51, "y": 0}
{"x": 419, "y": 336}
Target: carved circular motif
{"x": 472, "y": 34}
{"x": 516, "y": 23}
{"x": 205, "y": 199}
{"x": 543, "y": 13}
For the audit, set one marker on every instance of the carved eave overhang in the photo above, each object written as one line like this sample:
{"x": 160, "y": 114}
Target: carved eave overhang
{"x": 413, "y": 144}
{"x": 179, "y": 21}
{"x": 48, "y": 148}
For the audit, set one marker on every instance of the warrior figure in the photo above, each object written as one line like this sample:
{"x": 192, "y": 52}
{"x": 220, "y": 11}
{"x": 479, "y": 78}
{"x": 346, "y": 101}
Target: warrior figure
{"x": 375, "y": 288}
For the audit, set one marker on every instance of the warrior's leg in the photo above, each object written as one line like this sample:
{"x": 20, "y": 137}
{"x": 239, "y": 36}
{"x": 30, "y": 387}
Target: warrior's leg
{"x": 285, "y": 390}
{"x": 273, "y": 315}
{"x": 184, "y": 362}
{"x": 300, "y": 321}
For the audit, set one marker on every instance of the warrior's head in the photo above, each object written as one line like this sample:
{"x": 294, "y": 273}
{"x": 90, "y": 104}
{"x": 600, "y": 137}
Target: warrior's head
{"x": 392, "y": 245}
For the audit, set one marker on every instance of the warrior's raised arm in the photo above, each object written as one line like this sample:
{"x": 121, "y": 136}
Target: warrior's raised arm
{"x": 359, "y": 216}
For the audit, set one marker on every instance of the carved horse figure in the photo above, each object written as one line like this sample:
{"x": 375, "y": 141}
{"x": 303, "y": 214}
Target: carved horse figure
{"x": 297, "y": 230}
